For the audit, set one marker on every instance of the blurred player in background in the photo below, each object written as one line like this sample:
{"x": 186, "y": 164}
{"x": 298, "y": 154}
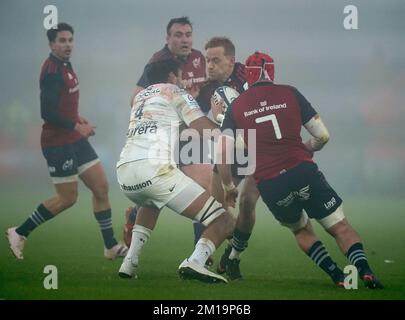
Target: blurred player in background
{"x": 289, "y": 181}
{"x": 148, "y": 175}
{"x": 179, "y": 38}
{"x": 222, "y": 70}
{"x": 65, "y": 146}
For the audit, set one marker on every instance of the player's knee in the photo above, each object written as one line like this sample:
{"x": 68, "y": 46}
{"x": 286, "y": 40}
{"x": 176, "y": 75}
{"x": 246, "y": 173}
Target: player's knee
{"x": 68, "y": 199}
{"x": 341, "y": 227}
{"x": 100, "y": 191}
{"x": 335, "y": 222}
{"x": 213, "y": 210}
{"x": 247, "y": 204}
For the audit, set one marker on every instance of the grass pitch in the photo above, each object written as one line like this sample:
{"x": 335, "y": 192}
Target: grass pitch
{"x": 273, "y": 267}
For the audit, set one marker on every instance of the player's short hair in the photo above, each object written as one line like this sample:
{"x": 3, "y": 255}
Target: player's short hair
{"x": 224, "y": 42}
{"x": 52, "y": 33}
{"x": 182, "y": 20}
{"x": 158, "y": 72}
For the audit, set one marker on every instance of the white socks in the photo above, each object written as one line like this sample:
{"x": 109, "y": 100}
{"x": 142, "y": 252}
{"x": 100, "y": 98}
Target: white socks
{"x": 140, "y": 235}
{"x": 203, "y": 249}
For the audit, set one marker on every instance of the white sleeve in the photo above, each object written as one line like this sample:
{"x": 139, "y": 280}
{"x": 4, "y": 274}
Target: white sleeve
{"x": 187, "y": 108}
{"x": 319, "y": 132}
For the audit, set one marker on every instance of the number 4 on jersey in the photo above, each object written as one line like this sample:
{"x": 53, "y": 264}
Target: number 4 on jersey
{"x": 273, "y": 119}
{"x": 139, "y": 111}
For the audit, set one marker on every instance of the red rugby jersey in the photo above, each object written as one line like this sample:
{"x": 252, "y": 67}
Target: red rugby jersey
{"x": 277, "y": 113}
{"x": 59, "y": 102}
{"x": 192, "y": 67}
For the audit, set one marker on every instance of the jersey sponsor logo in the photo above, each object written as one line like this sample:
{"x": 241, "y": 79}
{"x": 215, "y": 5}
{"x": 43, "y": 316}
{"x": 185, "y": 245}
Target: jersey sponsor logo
{"x": 150, "y": 91}
{"x": 197, "y": 62}
{"x": 264, "y": 107}
{"x": 301, "y": 195}
{"x": 330, "y": 204}
{"x": 172, "y": 188}
{"x": 190, "y": 74}
{"x": 67, "y": 165}
{"x": 136, "y": 187}
{"x": 190, "y": 100}
{"x": 143, "y": 127}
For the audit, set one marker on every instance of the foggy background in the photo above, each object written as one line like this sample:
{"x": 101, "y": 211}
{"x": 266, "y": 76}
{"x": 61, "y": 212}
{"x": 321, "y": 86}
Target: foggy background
{"x": 354, "y": 78}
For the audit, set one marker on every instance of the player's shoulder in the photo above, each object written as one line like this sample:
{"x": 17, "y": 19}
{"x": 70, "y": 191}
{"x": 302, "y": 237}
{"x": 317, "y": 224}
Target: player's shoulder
{"x": 50, "y": 66}
{"x": 239, "y": 68}
{"x": 277, "y": 86}
{"x": 162, "y": 54}
{"x": 166, "y": 91}
{"x": 196, "y": 53}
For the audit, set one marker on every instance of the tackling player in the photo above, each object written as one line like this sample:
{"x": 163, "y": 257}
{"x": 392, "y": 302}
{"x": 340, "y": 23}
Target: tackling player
{"x": 289, "y": 181}
{"x": 148, "y": 175}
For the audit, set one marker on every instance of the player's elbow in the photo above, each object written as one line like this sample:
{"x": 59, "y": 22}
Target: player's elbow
{"x": 319, "y": 142}
{"x": 325, "y": 137}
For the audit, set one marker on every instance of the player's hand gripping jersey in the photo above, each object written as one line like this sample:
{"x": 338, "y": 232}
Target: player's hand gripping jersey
{"x": 156, "y": 115}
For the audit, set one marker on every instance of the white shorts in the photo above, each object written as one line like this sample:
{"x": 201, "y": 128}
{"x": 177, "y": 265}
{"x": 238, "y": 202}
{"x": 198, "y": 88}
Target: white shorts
{"x": 157, "y": 185}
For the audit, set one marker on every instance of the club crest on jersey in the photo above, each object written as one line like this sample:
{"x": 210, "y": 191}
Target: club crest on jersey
{"x": 196, "y": 62}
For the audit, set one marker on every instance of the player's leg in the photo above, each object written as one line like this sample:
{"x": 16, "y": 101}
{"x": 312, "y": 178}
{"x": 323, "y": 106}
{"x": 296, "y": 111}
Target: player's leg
{"x": 315, "y": 249}
{"x": 191, "y": 200}
{"x": 351, "y": 246}
{"x": 130, "y": 218}
{"x": 326, "y": 206}
{"x": 63, "y": 168}
{"x": 145, "y": 223}
{"x": 219, "y": 225}
{"x": 245, "y": 221}
{"x": 66, "y": 195}
{"x": 284, "y": 196}
{"x": 200, "y": 173}
{"x": 95, "y": 179}
{"x": 92, "y": 173}
{"x": 180, "y": 193}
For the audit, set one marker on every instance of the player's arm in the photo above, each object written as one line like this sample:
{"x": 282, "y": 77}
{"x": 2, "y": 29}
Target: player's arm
{"x": 190, "y": 112}
{"x": 51, "y": 88}
{"x": 313, "y": 123}
{"x": 319, "y": 133}
{"x": 136, "y": 90}
{"x": 142, "y": 83}
{"x": 225, "y": 149}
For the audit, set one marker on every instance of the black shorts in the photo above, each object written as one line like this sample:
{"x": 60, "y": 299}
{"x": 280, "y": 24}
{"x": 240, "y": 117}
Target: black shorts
{"x": 69, "y": 160}
{"x": 302, "y": 187}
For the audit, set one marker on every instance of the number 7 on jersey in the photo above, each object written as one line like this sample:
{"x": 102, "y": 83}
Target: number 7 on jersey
{"x": 273, "y": 119}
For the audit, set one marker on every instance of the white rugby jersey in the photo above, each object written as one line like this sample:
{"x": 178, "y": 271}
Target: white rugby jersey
{"x": 156, "y": 115}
